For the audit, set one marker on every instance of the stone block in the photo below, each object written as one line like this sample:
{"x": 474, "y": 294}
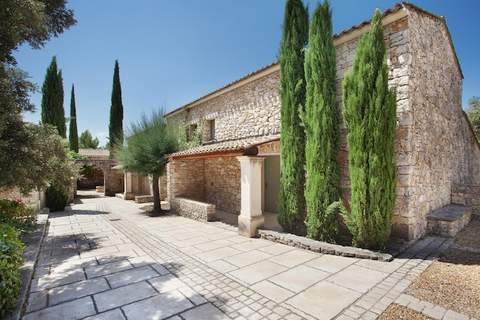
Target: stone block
{"x": 159, "y": 307}
{"x": 118, "y": 297}
{"x": 77, "y": 290}
{"x": 73, "y": 310}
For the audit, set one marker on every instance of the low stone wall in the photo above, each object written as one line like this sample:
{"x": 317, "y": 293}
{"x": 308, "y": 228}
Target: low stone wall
{"x": 468, "y": 195}
{"x": 322, "y": 247}
{"x": 193, "y": 209}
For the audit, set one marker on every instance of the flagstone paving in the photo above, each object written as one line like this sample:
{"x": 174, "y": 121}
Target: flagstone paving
{"x": 105, "y": 259}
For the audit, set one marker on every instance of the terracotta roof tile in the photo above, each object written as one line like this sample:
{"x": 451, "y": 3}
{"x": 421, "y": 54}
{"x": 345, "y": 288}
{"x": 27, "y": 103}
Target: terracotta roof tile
{"x": 94, "y": 152}
{"x": 230, "y": 146}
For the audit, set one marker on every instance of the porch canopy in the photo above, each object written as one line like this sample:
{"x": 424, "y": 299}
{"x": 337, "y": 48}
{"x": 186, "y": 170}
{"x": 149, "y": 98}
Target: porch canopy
{"x": 220, "y": 179}
{"x": 238, "y": 147}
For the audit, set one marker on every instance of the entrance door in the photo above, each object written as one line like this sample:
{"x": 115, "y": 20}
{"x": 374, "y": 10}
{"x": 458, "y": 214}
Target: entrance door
{"x": 272, "y": 183}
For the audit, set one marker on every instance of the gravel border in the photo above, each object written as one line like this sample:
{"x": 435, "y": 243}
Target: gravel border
{"x": 33, "y": 242}
{"x": 322, "y": 247}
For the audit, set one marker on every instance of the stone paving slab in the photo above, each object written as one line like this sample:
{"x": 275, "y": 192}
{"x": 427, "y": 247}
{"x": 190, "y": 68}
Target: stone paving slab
{"x": 124, "y": 295}
{"x": 324, "y": 300}
{"x": 131, "y": 276}
{"x": 76, "y": 309}
{"x": 138, "y": 267}
{"x": 158, "y": 307}
{"x": 77, "y": 290}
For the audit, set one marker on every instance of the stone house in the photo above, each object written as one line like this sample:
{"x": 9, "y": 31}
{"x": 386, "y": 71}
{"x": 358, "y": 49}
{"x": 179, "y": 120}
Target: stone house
{"x": 235, "y": 172}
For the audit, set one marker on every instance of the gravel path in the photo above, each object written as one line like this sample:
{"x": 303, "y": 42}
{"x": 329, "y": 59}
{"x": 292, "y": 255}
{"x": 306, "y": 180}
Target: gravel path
{"x": 397, "y": 312}
{"x": 456, "y": 274}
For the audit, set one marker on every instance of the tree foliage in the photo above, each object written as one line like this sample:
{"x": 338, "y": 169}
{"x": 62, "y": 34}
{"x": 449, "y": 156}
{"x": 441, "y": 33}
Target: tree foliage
{"x": 72, "y": 131}
{"x": 44, "y": 160}
{"x": 87, "y": 141}
{"x": 148, "y": 144}
{"x": 52, "y": 99}
{"x": 116, "y": 111}
{"x": 22, "y": 22}
{"x": 292, "y": 82}
{"x": 321, "y": 127}
{"x": 473, "y": 113}
{"x": 370, "y": 115}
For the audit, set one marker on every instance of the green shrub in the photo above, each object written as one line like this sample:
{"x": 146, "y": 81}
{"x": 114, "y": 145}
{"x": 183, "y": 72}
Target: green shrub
{"x": 17, "y": 214}
{"x": 11, "y": 259}
{"x": 57, "y": 198}
{"x": 370, "y": 116}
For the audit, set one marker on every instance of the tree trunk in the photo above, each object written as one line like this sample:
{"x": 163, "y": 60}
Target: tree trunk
{"x": 156, "y": 194}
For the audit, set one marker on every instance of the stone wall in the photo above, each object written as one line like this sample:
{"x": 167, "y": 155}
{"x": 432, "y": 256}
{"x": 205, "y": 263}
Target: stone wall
{"x": 92, "y": 180}
{"x": 251, "y": 110}
{"x": 35, "y": 199}
{"x": 186, "y": 179}
{"x": 215, "y": 181}
{"x": 113, "y": 182}
{"x": 222, "y": 183}
{"x": 193, "y": 209}
{"x": 442, "y": 149}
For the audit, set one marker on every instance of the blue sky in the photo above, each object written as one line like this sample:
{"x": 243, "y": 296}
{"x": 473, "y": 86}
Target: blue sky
{"x": 171, "y": 52}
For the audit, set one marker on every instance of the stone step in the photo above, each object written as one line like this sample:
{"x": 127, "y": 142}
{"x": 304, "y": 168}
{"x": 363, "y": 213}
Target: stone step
{"x": 449, "y": 220}
{"x": 119, "y": 195}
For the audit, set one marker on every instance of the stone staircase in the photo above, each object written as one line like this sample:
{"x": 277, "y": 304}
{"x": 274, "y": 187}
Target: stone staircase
{"x": 449, "y": 220}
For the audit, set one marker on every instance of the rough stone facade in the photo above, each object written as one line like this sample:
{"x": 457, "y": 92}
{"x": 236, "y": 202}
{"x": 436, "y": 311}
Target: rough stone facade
{"x": 193, "y": 209}
{"x": 251, "y": 110}
{"x": 215, "y": 181}
{"x": 435, "y": 147}
{"x": 222, "y": 183}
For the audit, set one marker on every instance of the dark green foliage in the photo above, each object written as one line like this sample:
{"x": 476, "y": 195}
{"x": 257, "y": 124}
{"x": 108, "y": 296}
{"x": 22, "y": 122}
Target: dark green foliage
{"x": 292, "y": 181}
{"x": 52, "y": 99}
{"x": 148, "y": 144}
{"x": 87, "y": 141}
{"x": 56, "y": 198}
{"x": 17, "y": 214}
{"x": 370, "y": 115}
{"x": 43, "y": 160}
{"x": 33, "y": 22}
{"x": 473, "y": 113}
{"x": 116, "y": 112}
{"x": 73, "y": 132}
{"x": 321, "y": 128}
{"x": 22, "y": 22}
{"x": 11, "y": 259}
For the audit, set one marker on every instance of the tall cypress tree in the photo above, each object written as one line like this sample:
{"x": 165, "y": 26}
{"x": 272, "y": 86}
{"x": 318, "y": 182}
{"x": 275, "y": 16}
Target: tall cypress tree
{"x": 292, "y": 81}
{"x": 116, "y": 111}
{"x": 73, "y": 132}
{"x": 370, "y": 114}
{"x": 321, "y": 128}
{"x": 52, "y": 98}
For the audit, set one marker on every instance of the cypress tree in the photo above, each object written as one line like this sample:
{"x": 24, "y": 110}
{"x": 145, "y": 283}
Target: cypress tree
{"x": 73, "y": 132}
{"x": 52, "y": 98}
{"x": 116, "y": 112}
{"x": 321, "y": 128}
{"x": 292, "y": 82}
{"x": 370, "y": 114}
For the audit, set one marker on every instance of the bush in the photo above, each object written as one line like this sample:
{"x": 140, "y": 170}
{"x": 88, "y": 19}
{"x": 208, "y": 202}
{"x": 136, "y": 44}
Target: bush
{"x": 57, "y": 198}
{"x": 17, "y": 214}
{"x": 11, "y": 259}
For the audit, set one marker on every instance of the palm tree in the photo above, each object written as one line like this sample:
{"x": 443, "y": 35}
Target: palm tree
{"x": 148, "y": 143}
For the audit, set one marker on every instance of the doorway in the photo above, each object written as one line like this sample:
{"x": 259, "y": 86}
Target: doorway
{"x": 271, "y": 183}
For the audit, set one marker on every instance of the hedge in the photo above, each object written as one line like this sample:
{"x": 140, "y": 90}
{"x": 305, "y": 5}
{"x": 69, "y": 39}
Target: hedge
{"x": 11, "y": 259}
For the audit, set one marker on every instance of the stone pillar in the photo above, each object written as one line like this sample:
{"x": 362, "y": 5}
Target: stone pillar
{"x": 128, "y": 186}
{"x": 251, "y": 177}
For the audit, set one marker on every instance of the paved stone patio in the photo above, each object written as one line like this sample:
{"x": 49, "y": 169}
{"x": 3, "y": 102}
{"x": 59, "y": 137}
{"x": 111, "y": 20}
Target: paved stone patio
{"x": 105, "y": 259}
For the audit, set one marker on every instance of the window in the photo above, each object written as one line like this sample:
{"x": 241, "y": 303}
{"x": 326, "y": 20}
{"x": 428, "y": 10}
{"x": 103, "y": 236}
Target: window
{"x": 191, "y": 131}
{"x": 211, "y": 129}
